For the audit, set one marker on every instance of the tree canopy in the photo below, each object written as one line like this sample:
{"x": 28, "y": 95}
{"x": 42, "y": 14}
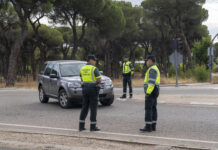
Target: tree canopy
{"x": 109, "y": 29}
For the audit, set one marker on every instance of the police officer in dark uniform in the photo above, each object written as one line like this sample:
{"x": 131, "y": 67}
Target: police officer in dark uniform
{"x": 151, "y": 88}
{"x": 90, "y": 77}
{"x": 128, "y": 71}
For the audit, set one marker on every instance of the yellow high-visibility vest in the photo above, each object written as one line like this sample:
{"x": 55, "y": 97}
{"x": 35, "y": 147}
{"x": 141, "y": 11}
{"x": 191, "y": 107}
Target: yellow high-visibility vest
{"x": 126, "y": 67}
{"x": 149, "y": 82}
{"x": 88, "y": 75}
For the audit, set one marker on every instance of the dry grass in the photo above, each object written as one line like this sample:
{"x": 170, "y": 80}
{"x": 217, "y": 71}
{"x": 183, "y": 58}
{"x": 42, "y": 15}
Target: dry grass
{"x": 140, "y": 82}
{"x": 137, "y": 81}
{"x": 215, "y": 80}
{"x": 23, "y": 83}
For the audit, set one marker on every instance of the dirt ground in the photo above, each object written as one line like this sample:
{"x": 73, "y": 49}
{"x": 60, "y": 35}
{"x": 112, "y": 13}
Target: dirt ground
{"x": 29, "y": 141}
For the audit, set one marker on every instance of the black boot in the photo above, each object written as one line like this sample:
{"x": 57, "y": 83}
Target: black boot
{"x": 130, "y": 96}
{"x": 124, "y": 96}
{"x": 147, "y": 128}
{"x": 154, "y": 127}
{"x": 82, "y": 127}
{"x": 93, "y": 127}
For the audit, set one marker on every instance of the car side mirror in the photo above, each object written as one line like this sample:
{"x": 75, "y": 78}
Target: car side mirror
{"x": 53, "y": 76}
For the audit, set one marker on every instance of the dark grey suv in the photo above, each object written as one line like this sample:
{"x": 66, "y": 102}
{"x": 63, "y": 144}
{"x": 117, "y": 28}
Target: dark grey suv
{"x": 61, "y": 80}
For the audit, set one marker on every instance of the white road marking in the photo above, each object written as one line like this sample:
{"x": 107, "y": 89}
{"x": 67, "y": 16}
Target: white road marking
{"x": 112, "y": 133}
{"x": 39, "y": 127}
{"x": 17, "y": 90}
{"x": 201, "y": 103}
{"x": 121, "y": 99}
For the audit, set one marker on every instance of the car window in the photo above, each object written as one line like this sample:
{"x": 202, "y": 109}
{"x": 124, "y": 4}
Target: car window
{"x": 55, "y": 69}
{"x": 43, "y": 69}
{"x": 71, "y": 69}
{"x": 48, "y": 70}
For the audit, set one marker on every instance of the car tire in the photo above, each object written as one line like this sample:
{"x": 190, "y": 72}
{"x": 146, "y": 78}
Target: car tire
{"x": 63, "y": 99}
{"x": 107, "y": 102}
{"x": 42, "y": 97}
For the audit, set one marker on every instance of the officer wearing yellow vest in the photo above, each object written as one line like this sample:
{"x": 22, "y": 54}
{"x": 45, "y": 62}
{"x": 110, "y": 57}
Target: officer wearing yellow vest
{"x": 128, "y": 71}
{"x": 151, "y": 89}
{"x": 90, "y": 77}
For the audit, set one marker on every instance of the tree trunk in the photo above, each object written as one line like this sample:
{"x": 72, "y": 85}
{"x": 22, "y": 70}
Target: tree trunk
{"x": 132, "y": 55}
{"x": 15, "y": 50}
{"x": 5, "y": 62}
{"x": 42, "y": 49}
{"x": 165, "y": 68}
{"x": 74, "y": 51}
{"x": 107, "y": 63}
{"x": 33, "y": 66}
{"x": 188, "y": 50}
{"x": 146, "y": 52}
{"x": 65, "y": 52}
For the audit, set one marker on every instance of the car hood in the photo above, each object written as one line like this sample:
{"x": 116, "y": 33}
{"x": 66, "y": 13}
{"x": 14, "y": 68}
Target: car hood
{"x": 77, "y": 78}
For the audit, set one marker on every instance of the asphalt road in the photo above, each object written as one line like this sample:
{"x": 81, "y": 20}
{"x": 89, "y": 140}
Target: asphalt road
{"x": 182, "y": 124}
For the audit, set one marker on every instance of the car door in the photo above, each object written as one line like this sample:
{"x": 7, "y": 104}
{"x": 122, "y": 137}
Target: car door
{"x": 46, "y": 79}
{"x": 54, "y": 81}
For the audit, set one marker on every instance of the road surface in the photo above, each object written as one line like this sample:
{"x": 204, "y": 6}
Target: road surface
{"x": 178, "y": 124}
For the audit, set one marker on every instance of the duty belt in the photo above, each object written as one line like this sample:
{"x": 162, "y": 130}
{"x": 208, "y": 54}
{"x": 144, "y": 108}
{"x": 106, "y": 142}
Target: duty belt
{"x": 89, "y": 84}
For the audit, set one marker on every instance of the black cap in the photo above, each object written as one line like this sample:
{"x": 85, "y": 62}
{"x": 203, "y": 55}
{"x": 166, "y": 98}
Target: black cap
{"x": 125, "y": 56}
{"x": 91, "y": 57}
{"x": 151, "y": 57}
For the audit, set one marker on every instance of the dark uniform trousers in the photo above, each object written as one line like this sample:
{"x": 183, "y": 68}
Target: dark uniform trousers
{"x": 90, "y": 99}
{"x": 127, "y": 79}
{"x": 151, "y": 106}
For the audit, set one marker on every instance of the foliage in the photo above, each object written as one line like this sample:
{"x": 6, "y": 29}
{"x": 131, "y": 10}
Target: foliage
{"x": 201, "y": 74}
{"x": 200, "y": 51}
{"x": 107, "y": 28}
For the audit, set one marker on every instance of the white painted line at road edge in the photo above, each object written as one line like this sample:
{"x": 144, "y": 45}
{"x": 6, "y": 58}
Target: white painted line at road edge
{"x": 201, "y": 103}
{"x": 39, "y": 127}
{"x": 111, "y": 133}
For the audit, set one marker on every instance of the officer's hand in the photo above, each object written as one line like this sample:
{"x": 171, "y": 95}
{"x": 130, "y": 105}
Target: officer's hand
{"x": 146, "y": 96}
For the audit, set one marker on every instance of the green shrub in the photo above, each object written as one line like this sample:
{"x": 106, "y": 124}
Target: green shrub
{"x": 188, "y": 74}
{"x": 201, "y": 74}
{"x": 171, "y": 71}
{"x": 214, "y": 69}
{"x": 181, "y": 74}
{"x": 138, "y": 68}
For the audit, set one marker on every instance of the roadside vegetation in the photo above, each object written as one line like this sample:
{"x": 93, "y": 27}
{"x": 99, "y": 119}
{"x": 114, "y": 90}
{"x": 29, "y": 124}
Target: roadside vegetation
{"x": 109, "y": 29}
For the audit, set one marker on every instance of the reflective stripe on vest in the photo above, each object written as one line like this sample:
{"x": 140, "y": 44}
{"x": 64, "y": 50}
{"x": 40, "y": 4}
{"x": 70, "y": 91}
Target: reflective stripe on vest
{"x": 126, "y": 67}
{"x": 157, "y": 81}
{"x": 87, "y": 74}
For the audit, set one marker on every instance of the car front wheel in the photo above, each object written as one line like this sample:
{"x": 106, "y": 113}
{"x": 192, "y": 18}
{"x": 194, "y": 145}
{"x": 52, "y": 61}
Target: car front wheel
{"x": 63, "y": 99}
{"x": 107, "y": 102}
{"x": 42, "y": 97}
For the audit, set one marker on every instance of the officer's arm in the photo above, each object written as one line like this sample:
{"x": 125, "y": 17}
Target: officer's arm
{"x": 97, "y": 75}
{"x": 151, "y": 81}
{"x": 132, "y": 68}
{"x": 81, "y": 77}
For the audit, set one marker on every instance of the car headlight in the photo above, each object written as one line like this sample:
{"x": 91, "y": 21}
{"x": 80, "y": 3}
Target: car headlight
{"x": 108, "y": 82}
{"x": 74, "y": 84}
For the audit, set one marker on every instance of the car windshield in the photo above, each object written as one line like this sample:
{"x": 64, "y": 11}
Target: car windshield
{"x": 72, "y": 69}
